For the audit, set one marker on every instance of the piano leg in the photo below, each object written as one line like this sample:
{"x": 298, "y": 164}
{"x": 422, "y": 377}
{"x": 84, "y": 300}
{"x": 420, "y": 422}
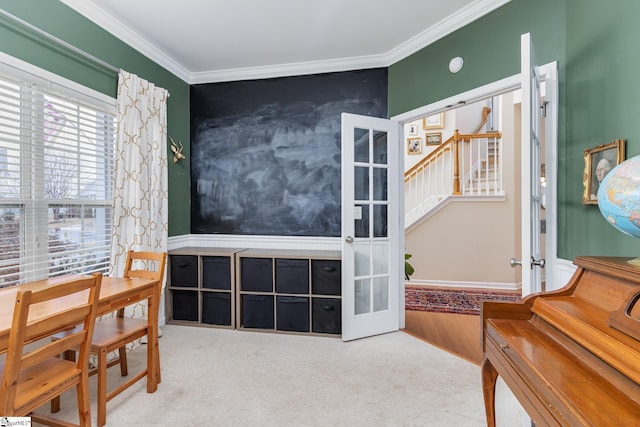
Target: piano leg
{"x": 489, "y": 379}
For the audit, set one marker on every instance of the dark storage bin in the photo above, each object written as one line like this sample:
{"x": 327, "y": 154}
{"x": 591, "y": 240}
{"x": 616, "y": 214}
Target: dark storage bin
{"x": 184, "y": 305}
{"x": 327, "y": 315}
{"x": 257, "y": 311}
{"x": 256, "y": 274}
{"x": 184, "y": 271}
{"x": 292, "y": 314}
{"x": 216, "y": 308}
{"x": 292, "y": 276}
{"x": 216, "y": 272}
{"x": 326, "y": 277}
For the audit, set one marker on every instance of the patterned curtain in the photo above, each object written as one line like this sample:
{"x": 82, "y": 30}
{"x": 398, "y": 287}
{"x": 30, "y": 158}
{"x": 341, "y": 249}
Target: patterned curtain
{"x": 140, "y": 202}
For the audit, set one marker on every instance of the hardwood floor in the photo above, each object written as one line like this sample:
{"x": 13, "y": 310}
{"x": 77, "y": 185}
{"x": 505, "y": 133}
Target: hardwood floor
{"x": 456, "y": 333}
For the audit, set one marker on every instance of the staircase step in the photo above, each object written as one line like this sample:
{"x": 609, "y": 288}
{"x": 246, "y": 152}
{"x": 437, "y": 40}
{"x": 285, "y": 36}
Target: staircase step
{"x": 483, "y": 174}
{"x": 481, "y": 187}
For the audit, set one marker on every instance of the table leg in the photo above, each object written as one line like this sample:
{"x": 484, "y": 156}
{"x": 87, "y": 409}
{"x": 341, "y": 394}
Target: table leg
{"x": 153, "y": 355}
{"x": 489, "y": 379}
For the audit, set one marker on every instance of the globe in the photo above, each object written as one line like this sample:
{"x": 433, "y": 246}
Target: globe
{"x": 619, "y": 197}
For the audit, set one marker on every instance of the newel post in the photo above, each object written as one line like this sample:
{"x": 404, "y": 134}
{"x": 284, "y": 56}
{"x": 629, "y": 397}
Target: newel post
{"x": 456, "y": 163}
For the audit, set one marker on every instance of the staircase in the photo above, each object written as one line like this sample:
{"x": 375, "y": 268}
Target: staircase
{"x": 486, "y": 173}
{"x": 464, "y": 165}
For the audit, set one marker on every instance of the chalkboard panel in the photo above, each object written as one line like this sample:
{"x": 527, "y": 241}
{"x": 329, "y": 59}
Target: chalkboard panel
{"x": 265, "y": 154}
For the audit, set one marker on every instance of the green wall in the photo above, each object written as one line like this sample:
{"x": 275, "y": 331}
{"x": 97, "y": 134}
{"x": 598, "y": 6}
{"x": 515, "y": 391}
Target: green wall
{"x": 490, "y": 47}
{"x": 595, "y": 44}
{"x": 57, "y": 19}
{"x": 602, "y": 90}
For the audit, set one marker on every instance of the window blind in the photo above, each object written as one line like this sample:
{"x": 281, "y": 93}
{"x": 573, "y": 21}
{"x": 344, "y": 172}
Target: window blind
{"x": 56, "y": 178}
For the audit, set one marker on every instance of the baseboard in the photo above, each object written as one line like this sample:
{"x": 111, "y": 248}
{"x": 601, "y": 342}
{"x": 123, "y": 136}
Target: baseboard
{"x": 465, "y": 284}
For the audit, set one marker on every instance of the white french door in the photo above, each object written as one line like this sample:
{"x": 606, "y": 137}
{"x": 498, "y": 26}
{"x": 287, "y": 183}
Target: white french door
{"x": 531, "y": 150}
{"x": 371, "y": 227}
{"x": 532, "y": 140}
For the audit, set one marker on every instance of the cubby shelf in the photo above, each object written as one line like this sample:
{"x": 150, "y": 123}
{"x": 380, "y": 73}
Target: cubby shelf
{"x": 256, "y": 289}
{"x": 289, "y": 291}
{"x": 201, "y": 287}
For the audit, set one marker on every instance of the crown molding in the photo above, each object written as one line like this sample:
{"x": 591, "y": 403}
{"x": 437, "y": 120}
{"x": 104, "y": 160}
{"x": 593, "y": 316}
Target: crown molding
{"x": 466, "y": 15}
{"x": 107, "y": 22}
{"x": 294, "y": 69}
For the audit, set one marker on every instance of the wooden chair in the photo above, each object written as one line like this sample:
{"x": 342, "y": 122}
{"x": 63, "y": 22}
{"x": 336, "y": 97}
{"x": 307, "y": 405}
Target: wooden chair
{"x": 115, "y": 333}
{"x": 32, "y": 376}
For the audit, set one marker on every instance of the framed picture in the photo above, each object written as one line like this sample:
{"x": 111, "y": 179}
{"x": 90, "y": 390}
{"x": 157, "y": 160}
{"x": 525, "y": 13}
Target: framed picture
{"x": 433, "y": 138}
{"x": 414, "y": 145}
{"x": 598, "y": 161}
{"x": 433, "y": 122}
{"x": 413, "y": 129}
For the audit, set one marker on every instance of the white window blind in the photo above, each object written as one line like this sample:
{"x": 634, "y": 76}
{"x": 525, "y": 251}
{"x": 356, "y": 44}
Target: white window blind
{"x": 56, "y": 177}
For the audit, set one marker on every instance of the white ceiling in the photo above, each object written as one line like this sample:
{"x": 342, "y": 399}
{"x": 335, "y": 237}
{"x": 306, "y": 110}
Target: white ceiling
{"x": 220, "y": 40}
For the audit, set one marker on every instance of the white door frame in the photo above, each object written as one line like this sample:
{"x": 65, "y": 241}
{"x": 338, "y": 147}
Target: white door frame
{"x": 549, "y": 74}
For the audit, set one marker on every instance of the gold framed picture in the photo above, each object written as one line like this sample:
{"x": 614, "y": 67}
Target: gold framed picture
{"x": 433, "y": 122}
{"x": 598, "y": 161}
{"x": 414, "y": 145}
{"x": 433, "y": 138}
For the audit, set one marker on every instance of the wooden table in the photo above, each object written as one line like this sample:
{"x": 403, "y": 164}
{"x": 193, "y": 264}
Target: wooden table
{"x": 115, "y": 293}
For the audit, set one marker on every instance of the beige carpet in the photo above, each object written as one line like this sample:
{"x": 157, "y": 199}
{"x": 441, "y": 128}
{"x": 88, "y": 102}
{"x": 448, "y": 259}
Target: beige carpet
{"x": 218, "y": 377}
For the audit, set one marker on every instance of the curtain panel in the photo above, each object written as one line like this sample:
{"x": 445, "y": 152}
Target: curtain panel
{"x": 140, "y": 199}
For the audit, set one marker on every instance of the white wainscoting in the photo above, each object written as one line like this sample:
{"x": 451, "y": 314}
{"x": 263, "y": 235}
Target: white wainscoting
{"x": 255, "y": 242}
{"x": 564, "y": 270}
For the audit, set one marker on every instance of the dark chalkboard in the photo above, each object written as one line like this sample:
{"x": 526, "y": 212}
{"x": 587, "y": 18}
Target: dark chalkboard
{"x": 265, "y": 154}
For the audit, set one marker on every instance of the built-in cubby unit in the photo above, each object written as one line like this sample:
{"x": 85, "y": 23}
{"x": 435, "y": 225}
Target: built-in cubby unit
{"x": 289, "y": 291}
{"x": 201, "y": 287}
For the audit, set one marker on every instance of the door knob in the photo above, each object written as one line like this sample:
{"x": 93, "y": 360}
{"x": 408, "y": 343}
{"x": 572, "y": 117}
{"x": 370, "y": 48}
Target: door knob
{"x": 348, "y": 239}
{"x": 513, "y": 262}
{"x": 540, "y": 263}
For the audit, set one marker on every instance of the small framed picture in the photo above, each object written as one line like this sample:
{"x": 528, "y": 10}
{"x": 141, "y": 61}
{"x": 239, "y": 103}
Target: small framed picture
{"x": 433, "y": 138}
{"x": 598, "y": 161}
{"x": 413, "y": 129}
{"x": 433, "y": 122}
{"x": 414, "y": 145}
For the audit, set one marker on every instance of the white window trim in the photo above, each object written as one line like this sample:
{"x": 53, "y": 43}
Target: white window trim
{"x": 49, "y": 80}
{"x": 81, "y": 95}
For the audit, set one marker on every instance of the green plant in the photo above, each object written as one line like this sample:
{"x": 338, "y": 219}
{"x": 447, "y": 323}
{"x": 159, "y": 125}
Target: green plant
{"x": 408, "y": 268}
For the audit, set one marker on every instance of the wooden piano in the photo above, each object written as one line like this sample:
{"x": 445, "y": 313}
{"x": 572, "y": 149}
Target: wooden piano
{"x": 572, "y": 356}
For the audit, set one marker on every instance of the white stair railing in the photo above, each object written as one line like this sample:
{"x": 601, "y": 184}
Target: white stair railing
{"x": 428, "y": 183}
{"x": 469, "y": 165}
{"x": 483, "y": 171}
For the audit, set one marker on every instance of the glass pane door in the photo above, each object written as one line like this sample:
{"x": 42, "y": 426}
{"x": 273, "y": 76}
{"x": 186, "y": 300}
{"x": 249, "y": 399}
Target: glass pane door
{"x": 370, "y": 236}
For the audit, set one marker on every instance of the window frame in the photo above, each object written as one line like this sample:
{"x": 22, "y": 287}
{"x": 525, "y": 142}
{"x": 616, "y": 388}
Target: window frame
{"x": 36, "y": 258}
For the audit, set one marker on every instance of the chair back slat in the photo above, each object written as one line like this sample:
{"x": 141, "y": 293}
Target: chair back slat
{"x": 64, "y": 320}
{"x": 57, "y": 347}
{"x": 146, "y": 265}
{"x": 74, "y": 285}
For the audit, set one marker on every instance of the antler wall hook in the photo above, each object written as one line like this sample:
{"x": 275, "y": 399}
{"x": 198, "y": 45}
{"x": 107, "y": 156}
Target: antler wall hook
{"x": 177, "y": 150}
